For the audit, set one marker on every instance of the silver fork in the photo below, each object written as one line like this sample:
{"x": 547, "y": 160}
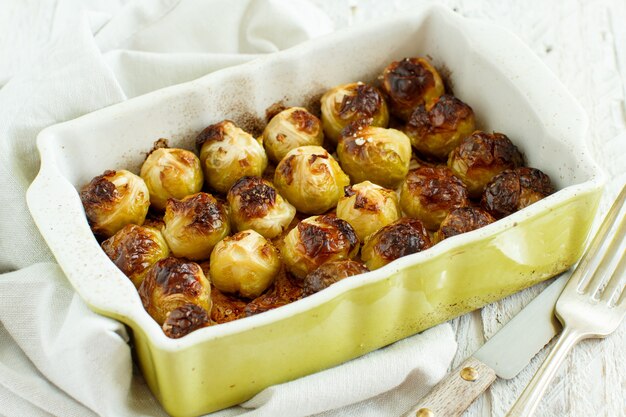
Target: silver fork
{"x": 592, "y": 305}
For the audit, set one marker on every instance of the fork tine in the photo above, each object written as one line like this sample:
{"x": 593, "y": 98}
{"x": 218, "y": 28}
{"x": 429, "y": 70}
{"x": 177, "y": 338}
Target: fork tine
{"x": 609, "y": 262}
{"x": 615, "y": 287}
{"x": 593, "y": 257}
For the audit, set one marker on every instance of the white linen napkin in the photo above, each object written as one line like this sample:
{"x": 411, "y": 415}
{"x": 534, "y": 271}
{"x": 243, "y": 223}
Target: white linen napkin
{"x": 59, "y": 60}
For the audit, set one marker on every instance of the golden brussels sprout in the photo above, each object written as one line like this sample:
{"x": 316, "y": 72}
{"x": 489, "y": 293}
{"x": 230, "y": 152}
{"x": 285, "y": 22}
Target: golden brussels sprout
{"x": 514, "y": 189}
{"x": 228, "y": 153}
{"x": 329, "y": 273}
{"x": 439, "y": 126}
{"x": 368, "y": 207}
{"x": 317, "y": 240}
{"x": 173, "y": 283}
{"x": 429, "y": 194}
{"x": 462, "y": 220}
{"x": 289, "y": 129}
{"x": 348, "y": 103}
{"x": 255, "y": 204}
{"x": 482, "y": 156}
{"x": 134, "y": 249}
{"x": 245, "y": 264}
{"x": 310, "y": 179}
{"x": 194, "y": 225}
{"x": 171, "y": 173}
{"x": 374, "y": 153}
{"x": 410, "y": 83}
{"x": 113, "y": 200}
{"x": 401, "y": 238}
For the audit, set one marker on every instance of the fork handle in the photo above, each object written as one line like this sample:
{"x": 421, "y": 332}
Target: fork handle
{"x": 527, "y": 403}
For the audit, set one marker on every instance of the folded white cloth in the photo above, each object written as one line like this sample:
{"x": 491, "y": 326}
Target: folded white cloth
{"x": 59, "y": 60}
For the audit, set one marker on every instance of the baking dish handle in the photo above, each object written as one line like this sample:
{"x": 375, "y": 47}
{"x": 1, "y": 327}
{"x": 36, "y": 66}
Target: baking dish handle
{"x": 52, "y": 200}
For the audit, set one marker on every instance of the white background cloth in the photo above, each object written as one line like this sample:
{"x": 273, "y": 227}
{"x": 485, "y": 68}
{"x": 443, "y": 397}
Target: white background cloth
{"x": 60, "y": 59}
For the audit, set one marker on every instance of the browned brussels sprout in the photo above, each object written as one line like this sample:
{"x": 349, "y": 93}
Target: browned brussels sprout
{"x": 171, "y": 173}
{"x": 514, "y": 189}
{"x": 310, "y": 179}
{"x": 289, "y": 129}
{"x": 368, "y": 207}
{"x": 134, "y": 249}
{"x": 317, "y": 240}
{"x": 228, "y": 153}
{"x": 194, "y": 225}
{"x": 462, "y": 220}
{"x": 173, "y": 283}
{"x": 409, "y": 83}
{"x": 376, "y": 154}
{"x": 245, "y": 264}
{"x": 429, "y": 194}
{"x": 482, "y": 156}
{"x": 255, "y": 204}
{"x": 113, "y": 200}
{"x": 329, "y": 273}
{"x": 349, "y": 103}
{"x": 436, "y": 128}
{"x": 184, "y": 320}
{"x": 401, "y": 238}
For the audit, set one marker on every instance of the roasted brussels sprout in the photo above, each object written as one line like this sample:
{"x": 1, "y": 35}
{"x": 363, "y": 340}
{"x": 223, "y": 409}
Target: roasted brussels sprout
{"x": 284, "y": 290}
{"x": 227, "y": 153}
{"x": 317, "y": 240}
{"x": 401, "y": 238}
{"x": 184, "y": 320}
{"x": 514, "y": 189}
{"x": 310, "y": 179}
{"x": 437, "y": 127}
{"x": 289, "y": 129}
{"x": 255, "y": 204}
{"x": 462, "y": 220}
{"x": 480, "y": 157}
{"x": 348, "y": 103}
{"x": 429, "y": 194}
{"x": 194, "y": 225}
{"x": 410, "y": 83}
{"x": 225, "y": 307}
{"x": 245, "y": 264}
{"x": 134, "y": 249}
{"x": 113, "y": 200}
{"x": 329, "y": 273}
{"x": 173, "y": 283}
{"x": 368, "y": 207}
{"x": 374, "y": 153}
{"x": 171, "y": 173}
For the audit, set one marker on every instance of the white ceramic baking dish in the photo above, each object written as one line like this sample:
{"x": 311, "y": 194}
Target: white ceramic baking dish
{"x": 510, "y": 91}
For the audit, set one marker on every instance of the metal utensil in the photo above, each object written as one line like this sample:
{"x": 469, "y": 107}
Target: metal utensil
{"x": 504, "y": 355}
{"x": 591, "y": 305}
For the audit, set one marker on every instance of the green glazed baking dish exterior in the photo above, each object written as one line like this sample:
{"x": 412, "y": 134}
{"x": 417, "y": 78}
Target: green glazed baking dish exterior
{"x": 510, "y": 90}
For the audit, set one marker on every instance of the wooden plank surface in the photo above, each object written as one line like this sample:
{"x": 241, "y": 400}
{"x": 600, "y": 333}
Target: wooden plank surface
{"x": 584, "y": 43}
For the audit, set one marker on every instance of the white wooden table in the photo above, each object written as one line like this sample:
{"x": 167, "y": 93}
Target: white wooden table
{"x": 584, "y": 43}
